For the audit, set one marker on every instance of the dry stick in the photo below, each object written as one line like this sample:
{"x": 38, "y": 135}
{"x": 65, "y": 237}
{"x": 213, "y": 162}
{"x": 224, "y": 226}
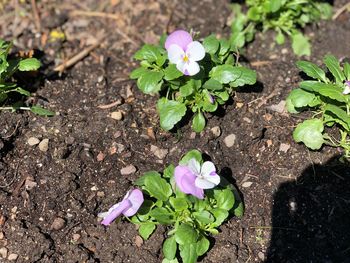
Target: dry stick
{"x": 36, "y": 15}
{"x": 70, "y": 62}
{"x": 8, "y": 136}
{"x": 340, "y": 11}
{"x": 104, "y": 15}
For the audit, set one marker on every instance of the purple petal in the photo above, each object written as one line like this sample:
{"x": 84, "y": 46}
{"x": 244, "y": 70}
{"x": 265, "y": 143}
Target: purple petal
{"x": 180, "y": 38}
{"x": 123, "y": 205}
{"x": 347, "y": 82}
{"x": 136, "y": 200}
{"x": 185, "y": 180}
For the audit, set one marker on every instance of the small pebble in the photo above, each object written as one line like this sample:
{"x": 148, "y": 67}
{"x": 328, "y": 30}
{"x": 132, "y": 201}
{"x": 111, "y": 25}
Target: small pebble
{"x": 117, "y": 115}
{"x": 138, "y": 241}
{"x": 280, "y": 107}
{"x": 130, "y": 169}
{"x": 284, "y": 147}
{"x": 158, "y": 152}
{"x": 247, "y": 184}
{"x": 58, "y": 223}
{"x": 3, "y": 252}
{"x": 193, "y": 135}
{"x": 100, "y": 194}
{"x": 216, "y": 131}
{"x": 76, "y": 237}
{"x": 33, "y": 141}
{"x": 2, "y": 235}
{"x": 44, "y": 145}
{"x": 230, "y": 140}
{"x": 12, "y": 257}
{"x": 261, "y": 256}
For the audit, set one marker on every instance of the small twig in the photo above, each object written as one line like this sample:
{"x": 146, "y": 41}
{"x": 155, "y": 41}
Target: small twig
{"x": 76, "y": 58}
{"x": 260, "y": 63}
{"x": 107, "y": 106}
{"x": 36, "y": 15}
{"x": 6, "y": 137}
{"x": 340, "y": 11}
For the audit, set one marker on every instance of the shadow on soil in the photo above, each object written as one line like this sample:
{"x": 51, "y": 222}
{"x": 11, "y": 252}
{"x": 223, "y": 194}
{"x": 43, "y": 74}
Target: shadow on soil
{"x": 311, "y": 216}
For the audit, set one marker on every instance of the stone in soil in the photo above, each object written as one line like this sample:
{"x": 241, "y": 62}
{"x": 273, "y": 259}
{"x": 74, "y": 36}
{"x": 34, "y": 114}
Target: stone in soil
{"x": 216, "y": 131}
{"x": 33, "y": 141}
{"x": 230, "y": 140}
{"x": 117, "y": 115}
{"x": 130, "y": 169}
{"x": 58, "y": 224}
{"x": 44, "y": 145}
{"x": 158, "y": 152}
{"x": 3, "y": 252}
{"x": 12, "y": 257}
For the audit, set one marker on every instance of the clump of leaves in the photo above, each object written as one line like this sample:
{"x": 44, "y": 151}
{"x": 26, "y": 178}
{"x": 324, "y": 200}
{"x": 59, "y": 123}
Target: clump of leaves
{"x": 190, "y": 220}
{"x": 286, "y": 17}
{"x": 327, "y": 95}
{"x": 8, "y": 67}
{"x": 200, "y": 86}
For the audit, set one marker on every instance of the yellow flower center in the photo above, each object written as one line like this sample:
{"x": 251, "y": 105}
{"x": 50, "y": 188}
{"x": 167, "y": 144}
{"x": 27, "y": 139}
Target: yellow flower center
{"x": 185, "y": 58}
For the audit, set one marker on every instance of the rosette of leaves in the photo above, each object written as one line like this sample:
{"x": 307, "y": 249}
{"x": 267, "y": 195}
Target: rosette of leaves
{"x": 324, "y": 95}
{"x": 8, "y": 67}
{"x": 189, "y": 220}
{"x": 219, "y": 77}
{"x": 285, "y": 17}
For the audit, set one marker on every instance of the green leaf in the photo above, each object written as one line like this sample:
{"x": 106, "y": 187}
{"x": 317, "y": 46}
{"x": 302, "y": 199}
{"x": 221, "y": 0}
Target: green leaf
{"x": 146, "y": 230}
{"x": 148, "y": 52}
{"x": 169, "y": 171}
{"x": 188, "y": 253}
{"x": 340, "y": 113}
{"x": 202, "y": 246}
{"x": 41, "y": 111}
{"x": 29, "y": 64}
{"x": 185, "y": 234}
{"x": 275, "y": 5}
{"x": 254, "y": 14}
{"x": 225, "y": 199}
{"x": 165, "y": 260}
{"x": 312, "y": 70}
{"x": 220, "y": 216}
{"x": 237, "y": 40}
{"x": 310, "y": 133}
{"x": 211, "y": 44}
{"x": 145, "y": 207}
{"x": 198, "y": 122}
{"x": 246, "y": 77}
{"x": 179, "y": 203}
{"x": 280, "y": 39}
{"x": 239, "y": 210}
{"x": 347, "y": 70}
{"x": 328, "y": 90}
{"x": 212, "y": 84}
{"x": 170, "y": 112}
{"x": 162, "y": 215}
{"x": 225, "y": 73}
{"x": 224, "y": 46}
{"x": 151, "y": 82}
{"x": 187, "y": 89}
{"x": 193, "y": 154}
{"x": 21, "y": 91}
{"x": 136, "y": 73}
{"x": 290, "y": 106}
{"x": 300, "y": 44}
{"x": 141, "y": 181}
{"x": 171, "y": 72}
{"x": 300, "y": 98}
{"x": 169, "y": 247}
{"x": 3, "y": 97}
{"x": 334, "y": 67}
{"x": 158, "y": 187}
{"x": 204, "y": 217}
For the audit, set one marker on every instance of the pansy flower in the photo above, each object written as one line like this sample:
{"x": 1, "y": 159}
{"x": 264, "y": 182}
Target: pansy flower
{"x": 184, "y": 52}
{"x": 347, "y": 87}
{"x": 128, "y": 207}
{"x": 193, "y": 177}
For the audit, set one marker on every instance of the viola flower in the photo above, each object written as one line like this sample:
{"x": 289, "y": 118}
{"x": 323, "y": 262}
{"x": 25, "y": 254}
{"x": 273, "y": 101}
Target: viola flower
{"x": 184, "y": 52}
{"x": 347, "y": 87}
{"x": 128, "y": 207}
{"x": 193, "y": 178}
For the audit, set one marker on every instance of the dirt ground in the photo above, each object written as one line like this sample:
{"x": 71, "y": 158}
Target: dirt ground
{"x": 297, "y": 201}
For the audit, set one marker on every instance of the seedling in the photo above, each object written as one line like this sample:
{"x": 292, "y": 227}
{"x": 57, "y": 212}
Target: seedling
{"x": 286, "y": 17}
{"x": 189, "y": 75}
{"x": 327, "y": 95}
{"x": 7, "y": 68}
{"x": 191, "y": 199}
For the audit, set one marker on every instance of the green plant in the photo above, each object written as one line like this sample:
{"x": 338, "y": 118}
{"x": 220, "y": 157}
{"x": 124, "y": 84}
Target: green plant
{"x": 190, "y": 219}
{"x": 184, "y": 83}
{"x": 286, "y": 17}
{"x": 328, "y": 98}
{"x": 7, "y": 68}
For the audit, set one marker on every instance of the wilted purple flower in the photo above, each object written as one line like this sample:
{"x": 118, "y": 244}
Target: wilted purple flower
{"x": 193, "y": 178}
{"x": 347, "y": 87}
{"x": 184, "y": 52}
{"x": 128, "y": 207}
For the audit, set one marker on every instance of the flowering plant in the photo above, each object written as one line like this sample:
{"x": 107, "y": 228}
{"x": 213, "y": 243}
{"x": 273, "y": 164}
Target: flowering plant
{"x": 329, "y": 98}
{"x": 191, "y": 199}
{"x": 189, "y": 74}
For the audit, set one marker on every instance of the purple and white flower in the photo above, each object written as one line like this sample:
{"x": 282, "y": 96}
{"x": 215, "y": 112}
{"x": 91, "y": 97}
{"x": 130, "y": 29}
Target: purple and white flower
{"x": 184, "y": 52}
{"x": 193, "y": 178}
{"x": 346, "y": 88}
{"x": 128, "y": 207}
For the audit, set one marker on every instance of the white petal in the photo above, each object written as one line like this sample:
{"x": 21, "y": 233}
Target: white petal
{"x": 215, "y": 179}
{"x": 175, "y": 54}
{"x": 204, "y": 184}
{"x": 195, "y": 51}
{"x": 346, "y": 90}
{"x": 181, "y": 66}
{"x": 207, "y": 168}
{"x": 194, "y": 166}
{"x": 103, "y": 214}
{"x": 191, "y": 68}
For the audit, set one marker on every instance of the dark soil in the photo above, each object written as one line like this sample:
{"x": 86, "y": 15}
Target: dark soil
{"x": 297, "y": 201}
